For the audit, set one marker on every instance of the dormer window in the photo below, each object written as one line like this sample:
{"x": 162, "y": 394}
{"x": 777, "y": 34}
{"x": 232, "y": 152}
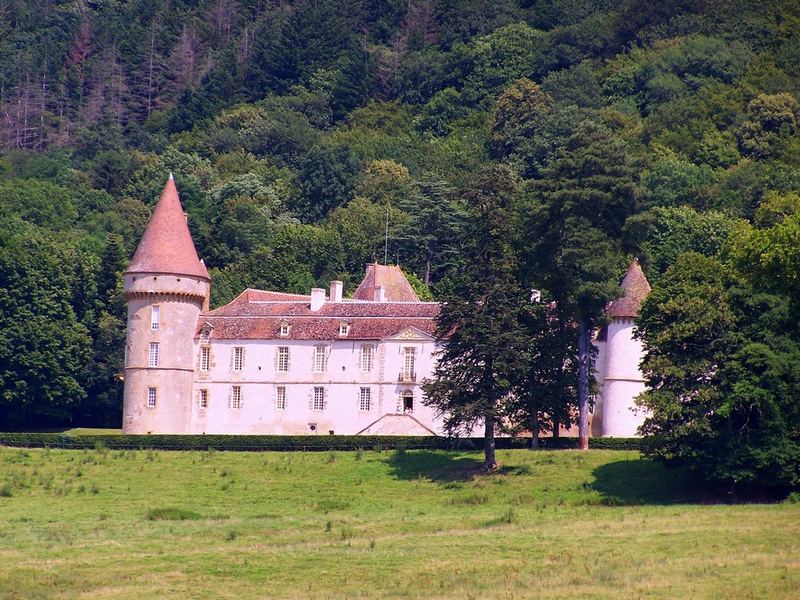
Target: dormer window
{"x": 205, "y": 333}
{"x": 344, "y": 329}
{"x": 284, "y": 329}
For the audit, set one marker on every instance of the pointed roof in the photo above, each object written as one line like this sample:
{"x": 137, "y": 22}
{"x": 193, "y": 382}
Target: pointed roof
{"x": 167, "y": 245}
{"x": 391, "y": 279}
{"x": 636, "y": 288}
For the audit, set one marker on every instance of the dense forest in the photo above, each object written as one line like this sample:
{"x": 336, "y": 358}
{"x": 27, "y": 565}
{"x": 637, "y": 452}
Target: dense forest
{"x": 620, "y": 128}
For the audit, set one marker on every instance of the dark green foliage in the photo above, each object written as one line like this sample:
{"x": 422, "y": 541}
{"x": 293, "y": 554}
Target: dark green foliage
{"x": 328, "y": 176}
{"x": 300, "y": 443}
{"x": 44, "y": 349}
{"x": 475, "y": 372}
{"x": 722, "y": 368}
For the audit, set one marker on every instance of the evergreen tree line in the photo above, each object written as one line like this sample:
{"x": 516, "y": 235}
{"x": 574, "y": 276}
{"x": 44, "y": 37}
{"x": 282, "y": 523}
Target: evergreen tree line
{"x": 558, "y": 138}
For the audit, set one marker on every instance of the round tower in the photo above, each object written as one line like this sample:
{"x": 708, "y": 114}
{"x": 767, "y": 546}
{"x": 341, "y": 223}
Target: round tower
{"x": 623, "y": 379}
{"x": 166, "y": 288}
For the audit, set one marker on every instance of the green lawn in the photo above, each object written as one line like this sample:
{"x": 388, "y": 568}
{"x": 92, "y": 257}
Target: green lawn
{"x": 602, "y": 524}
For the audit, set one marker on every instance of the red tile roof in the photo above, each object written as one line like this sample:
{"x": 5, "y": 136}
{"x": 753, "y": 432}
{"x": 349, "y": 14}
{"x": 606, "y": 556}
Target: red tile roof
{"x": 166, "y": 245}
{"x": 257, "y": 314}
{"x": 391, "y": 279}
{"x": 636, "y": 288}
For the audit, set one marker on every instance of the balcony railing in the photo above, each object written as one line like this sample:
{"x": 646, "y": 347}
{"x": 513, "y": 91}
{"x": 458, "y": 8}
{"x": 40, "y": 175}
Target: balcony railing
{"x": 407, "y": 377}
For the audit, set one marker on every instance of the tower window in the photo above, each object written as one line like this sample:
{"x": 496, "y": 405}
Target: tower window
{"x": 202, "y": 400}
{"x": 283, "y": 359}
{"x": 320, "y": 358}
{"x": 205, "y": 358}
{"x": 366, "y": 357}
{"x": 238, "y": 358}
{"x": 236, "y": 397}
{"x": 151, "y": 397}
{"x": 155, "y": 316}
{"x": 152, "y": 359}
{"x": 364, "y": 397}
{"x": 280, "y": 397}
{"x": 319, "y": 398}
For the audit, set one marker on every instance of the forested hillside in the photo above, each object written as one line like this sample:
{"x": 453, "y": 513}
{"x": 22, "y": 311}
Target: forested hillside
{"x": 295, "y": 129}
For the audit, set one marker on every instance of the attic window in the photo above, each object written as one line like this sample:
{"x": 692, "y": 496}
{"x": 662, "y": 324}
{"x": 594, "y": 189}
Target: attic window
{"x": 285, "y": 327}
{"x": 344, "y": 329}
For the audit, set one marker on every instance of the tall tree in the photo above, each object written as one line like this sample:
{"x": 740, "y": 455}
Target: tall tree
{"x": 476, "y": 368}
{"x": 573, "y": 219}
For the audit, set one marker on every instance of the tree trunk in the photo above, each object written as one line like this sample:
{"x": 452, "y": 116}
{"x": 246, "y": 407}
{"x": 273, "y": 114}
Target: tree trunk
{"x": 534, "y": 408}
{"x": 490, "y": 462}
{"x": 583, "y": 384}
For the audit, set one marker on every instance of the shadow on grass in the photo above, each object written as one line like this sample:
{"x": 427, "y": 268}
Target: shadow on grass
{"x": 442, "y": 467}
{"x": 645, "y": 481}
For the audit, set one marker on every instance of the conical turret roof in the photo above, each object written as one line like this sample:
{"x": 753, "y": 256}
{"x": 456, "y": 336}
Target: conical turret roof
{"x": 391, "y": 279}
{"x": 636, "y": 288}
{"x": 167, "y": 245}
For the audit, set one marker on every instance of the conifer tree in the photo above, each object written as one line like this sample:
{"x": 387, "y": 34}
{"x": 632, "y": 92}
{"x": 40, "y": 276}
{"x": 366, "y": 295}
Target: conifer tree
{"x": 476, "y": 368}
{"x": 573, "y": 220}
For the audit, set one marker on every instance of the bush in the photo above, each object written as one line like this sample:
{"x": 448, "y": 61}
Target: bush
{"x": 305, "y": 443}
{"x": 171, "y": 514}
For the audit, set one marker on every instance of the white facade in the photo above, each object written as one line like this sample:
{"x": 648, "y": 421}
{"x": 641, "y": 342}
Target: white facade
{"x": 327, "y": 386}
{"x": 619, "y": 381}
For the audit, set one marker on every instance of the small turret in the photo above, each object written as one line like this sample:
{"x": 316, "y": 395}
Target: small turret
{"x": 623, "y": 380}
{"x": 166, "y": 288}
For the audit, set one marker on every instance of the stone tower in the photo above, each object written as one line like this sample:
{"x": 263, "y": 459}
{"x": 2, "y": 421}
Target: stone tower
{"x": 166, "y": 288}
{"x": 623, "y": 380}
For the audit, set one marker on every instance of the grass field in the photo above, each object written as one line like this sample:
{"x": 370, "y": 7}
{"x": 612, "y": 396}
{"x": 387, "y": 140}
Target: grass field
{"x": 602, "y": 524}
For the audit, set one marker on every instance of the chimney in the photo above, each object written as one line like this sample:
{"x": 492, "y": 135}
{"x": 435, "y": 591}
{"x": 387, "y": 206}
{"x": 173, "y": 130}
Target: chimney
{"x": 317, "y": 298}
{"x": 380, "y": 294}
{"x": 336, "y": 291}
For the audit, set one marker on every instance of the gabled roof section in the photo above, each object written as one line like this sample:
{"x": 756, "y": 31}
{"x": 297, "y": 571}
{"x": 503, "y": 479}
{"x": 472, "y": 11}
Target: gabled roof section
{"x": 167, "y": 246}
{"x": 411, "y": 334}
{"x": 636, "y": 288}
{"x": 391, "y": 279}
{"x": 396, "y": 424}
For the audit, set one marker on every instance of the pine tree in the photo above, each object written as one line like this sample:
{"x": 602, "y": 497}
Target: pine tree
{"x": 573, "y": 221}
{"x": 475, "y": 370}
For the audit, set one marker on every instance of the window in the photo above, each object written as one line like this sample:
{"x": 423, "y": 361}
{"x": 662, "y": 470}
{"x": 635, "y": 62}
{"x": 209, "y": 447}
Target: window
{"x": 283, "y": 359}
{"x": 284, "y": 330}
{"x": 153, "y": 356}
{"x": 205, "y": 335}
{"x": 366, "y": 358}
{"x": 151, "y": 397}
{"x": 319, "y": 398}
{"x": 364, "y": 397}
{"x": 236, "y": 397}
{"x": 408, "y": 401}
{"x": 154, "y": 317}
{"x": 238, "y": 358}
{"x": 409, "y": 355}
{"x": 280, "y": 397}
{"x": 205, "y": 358}
{"x": 344, "y": 329}
{"x": 202, "y": 400}
{"x": 320, "y": 358}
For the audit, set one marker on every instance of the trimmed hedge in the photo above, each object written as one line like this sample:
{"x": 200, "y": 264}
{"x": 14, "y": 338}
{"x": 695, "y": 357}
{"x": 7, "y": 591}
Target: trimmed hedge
{"x": 258, "y": 443}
